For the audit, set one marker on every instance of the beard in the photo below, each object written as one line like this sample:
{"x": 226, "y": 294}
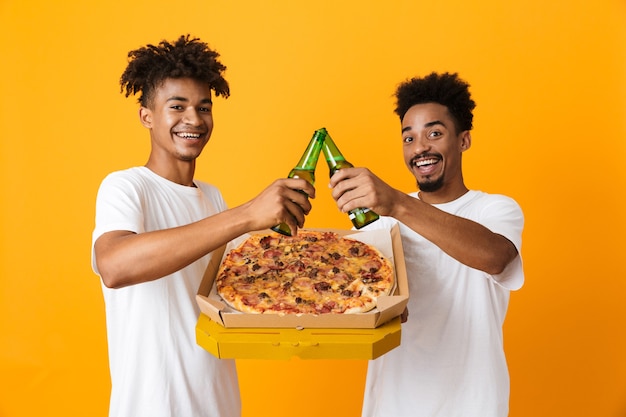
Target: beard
{"x": 430, "y": 186}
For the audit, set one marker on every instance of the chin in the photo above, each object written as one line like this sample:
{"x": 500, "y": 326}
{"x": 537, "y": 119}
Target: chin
{"x": 188, "y": 158}
{"x": 430, "y": 186}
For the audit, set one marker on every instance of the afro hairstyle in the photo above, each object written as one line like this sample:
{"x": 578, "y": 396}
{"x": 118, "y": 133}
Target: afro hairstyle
{"x": 187, "y": 57}
{"x": 445, "y": 89}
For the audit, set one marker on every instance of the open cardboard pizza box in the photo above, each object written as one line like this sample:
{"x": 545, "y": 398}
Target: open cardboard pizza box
{"x": 227, "y": 333}
{"x": 387, "y": 241}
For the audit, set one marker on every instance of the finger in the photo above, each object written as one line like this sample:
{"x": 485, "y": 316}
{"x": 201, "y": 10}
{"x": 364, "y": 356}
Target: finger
{"x": 342, "y": 187}
{"x": 293, "y": 226}
{"x": 349, "y": 198}
{"x": 404, "y": 316}
{"x": 339, "y": 176}
{"x": 299, "y": 184}
{"x": 295, "y": 213}
{"x": 308, "y": 189}
{"x": 301, "y": 200}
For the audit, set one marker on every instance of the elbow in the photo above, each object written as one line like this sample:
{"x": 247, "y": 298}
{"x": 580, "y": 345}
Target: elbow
{"x": 110, "y": 282}
{"x": 108, "y": 264}
{"x": 496, "y": 268}
{"x": 110, "y": 276}
{"x": 498, "y": 264}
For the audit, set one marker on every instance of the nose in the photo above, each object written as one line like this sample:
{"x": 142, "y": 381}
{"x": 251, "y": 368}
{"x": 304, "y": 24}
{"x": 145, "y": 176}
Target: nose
{"x": 420, "y": 145}
{"x": 192, "y": 117}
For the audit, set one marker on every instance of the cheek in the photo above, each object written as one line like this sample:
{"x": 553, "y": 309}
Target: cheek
{"x": 163, "y": 122}
{"x": 208, "y": 121}
{"x": 407, "y": 155}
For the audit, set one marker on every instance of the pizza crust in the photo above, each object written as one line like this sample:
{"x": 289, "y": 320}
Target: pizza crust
{"x": 312, "y": 273}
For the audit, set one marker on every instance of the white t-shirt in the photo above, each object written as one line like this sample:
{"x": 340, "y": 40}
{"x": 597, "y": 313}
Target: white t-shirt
{"x": 451, "y": 359}
{"x": 157, "y": 369}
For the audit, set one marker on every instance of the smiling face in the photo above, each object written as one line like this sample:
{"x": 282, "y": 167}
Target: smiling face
{"x": 180, "y": 120}
{"x": 432, "y": 151}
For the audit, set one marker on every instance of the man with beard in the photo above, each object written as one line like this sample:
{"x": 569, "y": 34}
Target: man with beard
{"x": 462, "y": 251}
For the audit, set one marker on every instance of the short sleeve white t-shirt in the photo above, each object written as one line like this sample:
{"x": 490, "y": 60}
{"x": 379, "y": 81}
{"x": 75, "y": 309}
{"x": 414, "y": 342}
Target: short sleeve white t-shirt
{"x": 157, "y": 369}
{"x": 451, "y": 360}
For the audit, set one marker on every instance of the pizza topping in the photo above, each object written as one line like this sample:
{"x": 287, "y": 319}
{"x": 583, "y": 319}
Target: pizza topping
{"x": 322, "y": 286}
{"x": 311, "y": 273}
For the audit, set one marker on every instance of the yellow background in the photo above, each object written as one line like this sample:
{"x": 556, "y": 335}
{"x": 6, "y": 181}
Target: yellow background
{"x": 550, "y": 126}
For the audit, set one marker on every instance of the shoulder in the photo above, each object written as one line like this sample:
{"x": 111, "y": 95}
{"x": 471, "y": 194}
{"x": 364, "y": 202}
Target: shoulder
{"x": 130, "y": 176}
{"x": 207, "y": 188}
{"x": 487, "y": 201}
{"x": 490, "y": 197}
{"x": 132, "y": 183}
{"x": 499, "y": 213}
{"x": 212, "y": 193}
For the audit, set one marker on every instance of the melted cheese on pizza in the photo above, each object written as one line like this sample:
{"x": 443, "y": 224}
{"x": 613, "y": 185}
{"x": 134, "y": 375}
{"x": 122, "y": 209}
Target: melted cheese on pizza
{"x": 311, "y": 273}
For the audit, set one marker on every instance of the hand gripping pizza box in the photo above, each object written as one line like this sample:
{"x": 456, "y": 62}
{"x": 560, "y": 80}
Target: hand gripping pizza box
{"x": 227, "y": 333}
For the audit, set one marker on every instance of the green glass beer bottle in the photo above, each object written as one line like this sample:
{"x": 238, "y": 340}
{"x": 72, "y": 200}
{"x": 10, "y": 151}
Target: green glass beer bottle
{"x": 360, "y": 216}
{"x": 305, "y": 169}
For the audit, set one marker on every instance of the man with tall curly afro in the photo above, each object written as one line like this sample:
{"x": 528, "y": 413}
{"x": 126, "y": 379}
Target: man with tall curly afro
{"x": 156, "y": 229}
{"x": 462, "y": 252}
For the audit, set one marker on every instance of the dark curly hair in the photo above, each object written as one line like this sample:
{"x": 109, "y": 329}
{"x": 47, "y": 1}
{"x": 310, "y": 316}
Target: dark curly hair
{"x": 446, "y": 89}
{"x": 149, "y": 66}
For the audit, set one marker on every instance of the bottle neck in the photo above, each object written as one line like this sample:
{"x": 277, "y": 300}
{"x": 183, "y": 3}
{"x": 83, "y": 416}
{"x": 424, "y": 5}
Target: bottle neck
{"x": 337, "y": 164}
{"x": 309, "y": 158}
{"x": 334, "y": 157}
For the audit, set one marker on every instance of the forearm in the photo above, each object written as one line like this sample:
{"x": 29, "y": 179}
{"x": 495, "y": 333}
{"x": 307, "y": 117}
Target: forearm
{"x": 125, "y": 258}
{"x": 465, "y": 240}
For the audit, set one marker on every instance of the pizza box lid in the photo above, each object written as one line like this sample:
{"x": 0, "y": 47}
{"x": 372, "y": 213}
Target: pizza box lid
{"x": 279, "y": 343}
{"x": 388, "y": 241}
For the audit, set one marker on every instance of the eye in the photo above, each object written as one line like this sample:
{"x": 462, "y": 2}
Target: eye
{"x": 407, "y": 139}
{"x": 205, "y": 109}
{"x": 434, "y": 134}
{"x": 176, "y": 107}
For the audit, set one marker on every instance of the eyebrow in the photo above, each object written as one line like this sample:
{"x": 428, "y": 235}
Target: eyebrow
{"x": 427, "y": 125}
{"x": 179, "y": 98}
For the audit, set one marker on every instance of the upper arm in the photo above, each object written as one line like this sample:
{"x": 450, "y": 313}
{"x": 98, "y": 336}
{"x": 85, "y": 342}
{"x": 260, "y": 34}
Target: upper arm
{"x": 506, "y": 253}
{"x": 104, "y": 250}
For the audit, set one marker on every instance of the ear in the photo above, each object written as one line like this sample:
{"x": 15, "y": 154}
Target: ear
{"x": 466, "y": 140}
{"x": 145, "y": 116}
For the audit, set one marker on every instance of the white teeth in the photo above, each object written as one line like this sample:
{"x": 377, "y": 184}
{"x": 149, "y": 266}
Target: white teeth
{"x": 188, "y": 135}
{"x": 425, "y": 162}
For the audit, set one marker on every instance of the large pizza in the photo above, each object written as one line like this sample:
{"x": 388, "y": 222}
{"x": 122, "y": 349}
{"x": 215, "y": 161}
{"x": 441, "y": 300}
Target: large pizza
{"x": 311, "y": 273}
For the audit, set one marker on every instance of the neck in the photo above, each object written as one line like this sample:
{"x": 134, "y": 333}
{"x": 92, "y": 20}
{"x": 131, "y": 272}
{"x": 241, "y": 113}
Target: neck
{"x": 442, "y": 196}
{"x": 181, "y": 173}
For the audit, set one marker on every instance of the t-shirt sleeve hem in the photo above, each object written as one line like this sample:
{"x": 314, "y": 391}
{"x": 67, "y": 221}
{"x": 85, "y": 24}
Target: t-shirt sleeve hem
{"x": 512, "y": 278}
